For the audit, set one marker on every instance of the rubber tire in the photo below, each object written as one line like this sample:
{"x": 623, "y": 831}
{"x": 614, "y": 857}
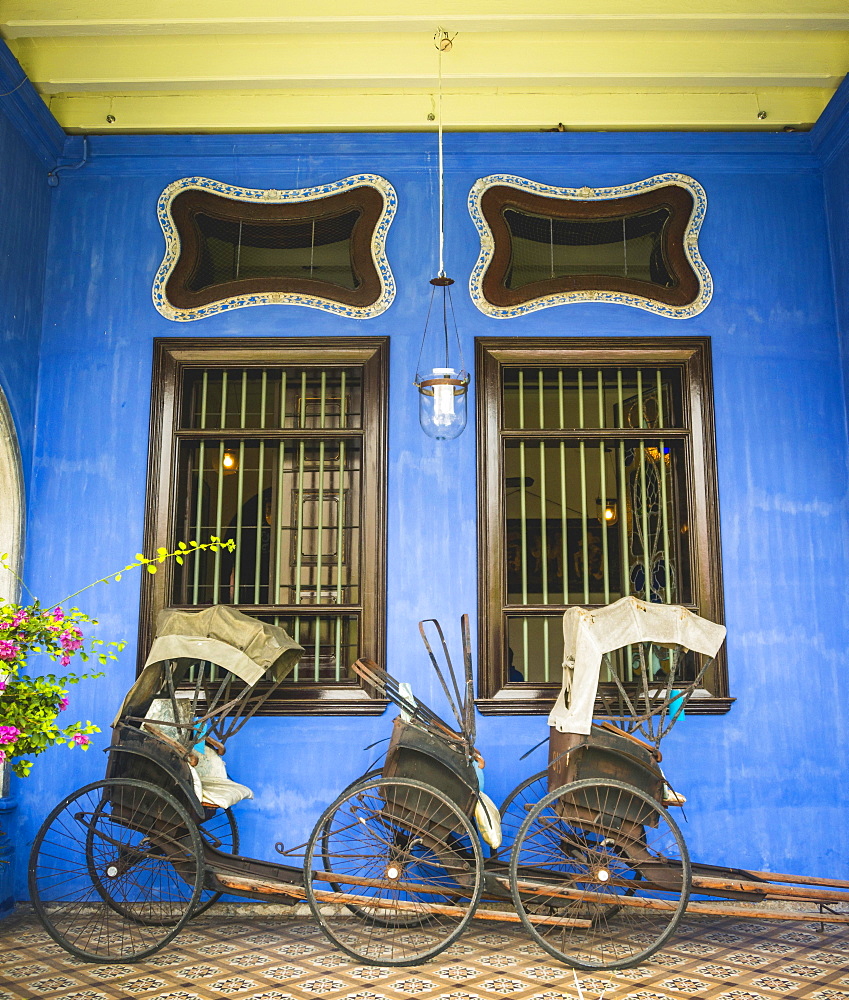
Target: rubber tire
{"x": 601, "y": 842}
{"x": 399, "y": 949}
{"x": 55, "y": 843}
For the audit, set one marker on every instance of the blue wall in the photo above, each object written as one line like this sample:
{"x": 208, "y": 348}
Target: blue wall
{"x": 760, "y": 779}
{"x": 835, "y": 153}
{"x": 25, "y": 211}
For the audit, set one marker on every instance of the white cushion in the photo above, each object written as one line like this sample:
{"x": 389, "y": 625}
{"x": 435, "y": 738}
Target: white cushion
{"x": 216, "y": 789}
{"x": 489, "y": 820}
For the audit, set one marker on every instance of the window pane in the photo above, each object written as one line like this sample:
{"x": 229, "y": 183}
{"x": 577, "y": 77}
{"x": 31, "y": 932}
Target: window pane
{"x": 574, "y": 398}
{"x": 590, "y": 522}
{"x": 317, "y": 248}
{"x": 251, "y": 398}
{"x": 535, "y": 649}
{"x": 626, "y": 246}
{"x": 331, "y": 643}
{"x": 291, "y": 506}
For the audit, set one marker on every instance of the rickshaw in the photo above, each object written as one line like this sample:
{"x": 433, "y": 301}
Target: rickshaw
{"x": 586, "y": 854}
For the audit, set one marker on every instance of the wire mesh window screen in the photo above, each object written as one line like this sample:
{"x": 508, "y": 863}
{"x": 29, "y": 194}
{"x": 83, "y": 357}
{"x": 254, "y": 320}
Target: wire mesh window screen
{"x": 596, "y": 499}
{"x": 317, "y": 248}
{"x": 276, "y": 458}
{"x": 543, "y": 248}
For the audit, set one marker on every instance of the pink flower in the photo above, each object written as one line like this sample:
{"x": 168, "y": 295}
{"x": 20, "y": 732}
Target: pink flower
{"x": 58, "y": 614}
{"x": 2, "y": 685}
{"x": 63, "y": 704}
{"x": 20, "y": 616}
{"x": 8, "y": 650}
{"x": 8, "y": 734}
{"x": 2, "y": 756}
{"x": 64, "y": 660}
{"x": 81, "y": 740}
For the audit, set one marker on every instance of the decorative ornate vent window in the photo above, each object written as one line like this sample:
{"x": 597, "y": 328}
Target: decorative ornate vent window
{"x": 280, "y": 446}
{"x": 228, "y": 246}
{"x": 546, "y": 246}
{"x": 596, "y": 480}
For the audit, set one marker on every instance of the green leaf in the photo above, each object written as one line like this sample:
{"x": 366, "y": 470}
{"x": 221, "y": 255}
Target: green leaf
{"x": 161, "y": 551}
{"x": 182, "y": 546}
{"x": 150, "y": 568}
{"x": 117, "y": 578}
{"x": 193, "y": 543}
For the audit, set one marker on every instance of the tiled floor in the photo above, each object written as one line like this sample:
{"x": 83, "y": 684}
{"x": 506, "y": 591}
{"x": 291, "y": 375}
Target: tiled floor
{"x": 251, "y": 957}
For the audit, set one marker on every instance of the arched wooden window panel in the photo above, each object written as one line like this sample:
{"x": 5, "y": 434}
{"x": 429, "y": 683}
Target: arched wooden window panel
{"x": 542, "y": 246}
{"x": 228, "y": 247}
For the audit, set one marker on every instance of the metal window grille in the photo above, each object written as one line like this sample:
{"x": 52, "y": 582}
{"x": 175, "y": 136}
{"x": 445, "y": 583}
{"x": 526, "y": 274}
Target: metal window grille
{"x": 595, "y": 503}
{"x": 271, "y": 457}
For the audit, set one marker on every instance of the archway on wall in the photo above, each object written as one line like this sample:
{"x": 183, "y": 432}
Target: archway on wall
{"x": 11, "y": 501}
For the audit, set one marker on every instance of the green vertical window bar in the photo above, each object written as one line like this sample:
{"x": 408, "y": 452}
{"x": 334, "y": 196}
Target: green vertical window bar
{"x": 583, "y": 462}
{"x": 260, "y": 491}
{"x": 299, "y": 534}
{"x": 603, "y": 484}
{"x": 278, "y": 513}
{"x": 644, "y": 513}
{"x": 523, "y": 514}
{"x": 199, "y": 504}
{"x": 300, "y": 492}
{"x": 667, "y": 575}
{"x": 216, "y": 576}
{"x": 240, "y": 492}
{"x": 564, "y": 512}
{"x": 623, "y": 513}
{"x": 543, "y": 522}
{"x": 340, "y": 522}
{"x": 320, "y": 519}
{"x": 296, "y": 635}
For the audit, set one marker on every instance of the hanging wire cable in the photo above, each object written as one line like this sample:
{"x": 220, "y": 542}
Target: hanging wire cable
{"x": 442, "y": 390}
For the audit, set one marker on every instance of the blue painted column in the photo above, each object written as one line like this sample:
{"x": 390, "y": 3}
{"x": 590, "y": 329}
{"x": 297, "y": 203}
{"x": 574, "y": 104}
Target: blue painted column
{"x": 8, "y": 806}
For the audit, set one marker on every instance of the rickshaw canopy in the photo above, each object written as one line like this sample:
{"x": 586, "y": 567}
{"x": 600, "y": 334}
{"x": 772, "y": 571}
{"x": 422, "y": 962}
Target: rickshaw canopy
{"x": 589, "y": 634}
{"x": 248, "y": 648}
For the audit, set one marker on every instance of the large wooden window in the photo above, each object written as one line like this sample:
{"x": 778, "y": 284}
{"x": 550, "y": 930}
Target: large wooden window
{"x": 597, "y": 479}
{"x": 279, "y": 446}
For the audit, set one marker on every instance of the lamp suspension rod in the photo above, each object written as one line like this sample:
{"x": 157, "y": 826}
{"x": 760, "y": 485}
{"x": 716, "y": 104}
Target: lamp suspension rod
{"x": 441, "y": 39}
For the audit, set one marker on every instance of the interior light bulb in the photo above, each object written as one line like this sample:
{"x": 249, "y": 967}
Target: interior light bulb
{"x": 443, "y": 398}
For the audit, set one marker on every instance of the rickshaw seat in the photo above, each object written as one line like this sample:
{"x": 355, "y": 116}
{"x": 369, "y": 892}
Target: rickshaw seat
{"x": 209, "y": 776}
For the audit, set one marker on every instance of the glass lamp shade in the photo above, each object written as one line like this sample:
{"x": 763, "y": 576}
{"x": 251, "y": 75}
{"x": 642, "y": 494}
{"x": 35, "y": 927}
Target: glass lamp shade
{"x": 442, "y": 403}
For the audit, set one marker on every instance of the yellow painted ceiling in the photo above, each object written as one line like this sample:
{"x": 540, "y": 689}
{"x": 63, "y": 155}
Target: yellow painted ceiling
{"x": 330, "y": 65}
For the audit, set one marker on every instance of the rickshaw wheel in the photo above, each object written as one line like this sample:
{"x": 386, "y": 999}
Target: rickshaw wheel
{"x": 600, "y": 874}
{"x": 371, "y": 914}
{"x": 514, "y": 811}
{"x": 405, "y": 845}
{"x": 221, "y": 832}
{"x": 133, "y": 837}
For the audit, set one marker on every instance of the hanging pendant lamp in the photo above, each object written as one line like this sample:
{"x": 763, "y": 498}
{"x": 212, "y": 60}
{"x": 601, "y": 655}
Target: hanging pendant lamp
{"x": 444, "y": 381}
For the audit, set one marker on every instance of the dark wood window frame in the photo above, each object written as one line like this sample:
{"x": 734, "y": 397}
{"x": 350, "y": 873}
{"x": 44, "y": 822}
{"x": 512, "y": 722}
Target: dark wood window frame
{"x": 175, "y": 356}
{"x": 496, "y": 694}
{"x": 192, "y": 203}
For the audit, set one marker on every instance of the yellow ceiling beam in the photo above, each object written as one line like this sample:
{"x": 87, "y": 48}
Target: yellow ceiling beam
{"x": 79, "y": 17}
{"x": 501, "y": 110}
{"x": 57, "y": 65}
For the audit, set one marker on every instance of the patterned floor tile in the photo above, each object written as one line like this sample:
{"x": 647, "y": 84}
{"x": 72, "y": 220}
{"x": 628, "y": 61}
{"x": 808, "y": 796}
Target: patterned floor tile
{"x": 260, "y": 957}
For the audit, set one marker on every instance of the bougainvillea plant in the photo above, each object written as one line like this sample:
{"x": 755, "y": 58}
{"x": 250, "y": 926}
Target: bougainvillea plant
{"x": 30, "y": 705}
